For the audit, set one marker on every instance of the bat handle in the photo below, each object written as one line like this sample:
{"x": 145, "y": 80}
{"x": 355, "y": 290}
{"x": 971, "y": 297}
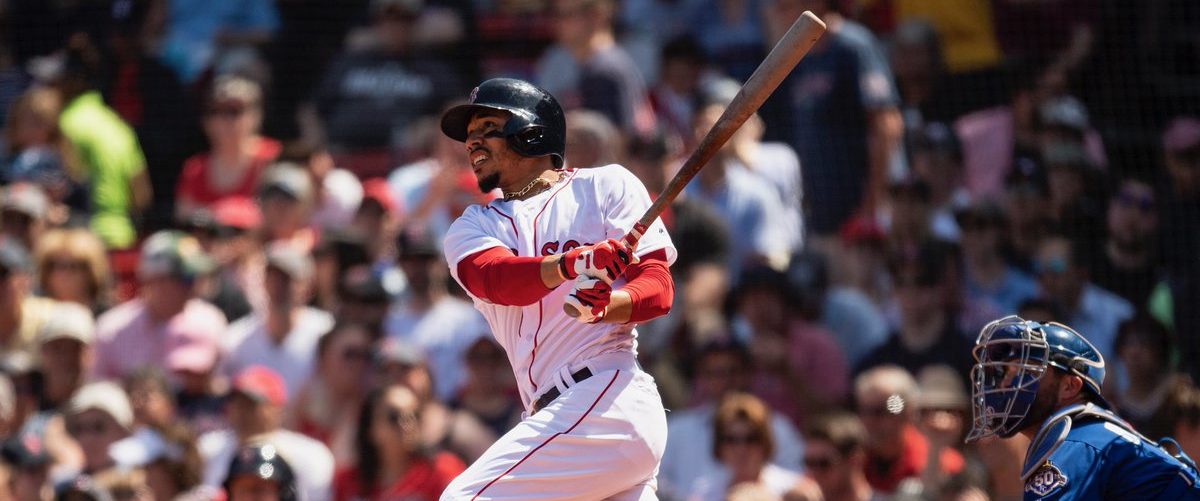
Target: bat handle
{"x": 631, "y": 239}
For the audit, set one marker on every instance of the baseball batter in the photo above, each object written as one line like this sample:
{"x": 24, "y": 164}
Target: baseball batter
{"x": 595, "y": 426}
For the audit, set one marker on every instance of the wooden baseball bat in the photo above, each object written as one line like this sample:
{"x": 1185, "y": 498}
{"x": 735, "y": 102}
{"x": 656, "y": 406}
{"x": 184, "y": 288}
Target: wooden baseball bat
{"x": 790, "y": 49}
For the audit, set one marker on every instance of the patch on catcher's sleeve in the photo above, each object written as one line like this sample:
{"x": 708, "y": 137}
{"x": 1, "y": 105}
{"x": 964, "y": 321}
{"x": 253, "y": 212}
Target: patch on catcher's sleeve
{"x": 1046, "y": 480}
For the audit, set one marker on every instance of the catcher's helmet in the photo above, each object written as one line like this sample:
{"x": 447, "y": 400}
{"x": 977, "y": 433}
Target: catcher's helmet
{"x": 263, "y": 461}
{"x": 537, "y": 127}
{"x": 1011, "y": 356}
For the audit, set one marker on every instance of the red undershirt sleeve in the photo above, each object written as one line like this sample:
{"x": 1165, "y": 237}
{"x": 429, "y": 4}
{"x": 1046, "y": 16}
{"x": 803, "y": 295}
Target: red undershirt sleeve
{"x": 650, "y": 287}
{"x": 499, "y": 277}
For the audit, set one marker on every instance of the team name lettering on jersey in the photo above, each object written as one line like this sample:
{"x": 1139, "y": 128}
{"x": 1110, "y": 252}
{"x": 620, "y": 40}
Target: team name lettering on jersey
{"x": 552, "y": 248}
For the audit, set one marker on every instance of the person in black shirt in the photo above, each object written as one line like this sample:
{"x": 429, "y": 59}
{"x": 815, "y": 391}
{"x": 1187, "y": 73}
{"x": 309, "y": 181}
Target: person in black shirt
{"x": 1128, "y": 261}
{"x": 927, "y": 334}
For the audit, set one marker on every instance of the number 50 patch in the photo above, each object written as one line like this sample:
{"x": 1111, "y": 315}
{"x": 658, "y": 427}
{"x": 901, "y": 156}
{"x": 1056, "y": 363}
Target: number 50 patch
{"x": 1046, "y": 480}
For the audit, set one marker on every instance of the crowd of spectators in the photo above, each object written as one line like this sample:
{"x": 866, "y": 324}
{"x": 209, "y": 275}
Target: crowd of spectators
{"x": 221, "y": 273}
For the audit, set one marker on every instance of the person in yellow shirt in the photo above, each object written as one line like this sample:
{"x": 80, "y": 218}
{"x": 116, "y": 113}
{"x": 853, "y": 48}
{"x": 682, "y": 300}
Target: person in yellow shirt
{"x": 106, "y": 146}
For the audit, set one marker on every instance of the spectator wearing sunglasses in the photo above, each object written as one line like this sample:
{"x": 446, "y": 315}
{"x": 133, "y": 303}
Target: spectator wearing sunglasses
{"x": 238, "y": 154}
{"x": 97, "y": 416}
{"x": 897, "y": 452}
{"x": 327, "y": 405}
{"x": 835, "y": 457}
{"x": 72, "y": 267}
{"x": 1128, "y": 262}
{"x": 1094, "y": 312}
{"x": 392, "y": 461}
{"x": 988, "y": 276}
{"x": 228, "y": 232}
{"x": 24, "y": 213}
{"x": 744, "y": 444}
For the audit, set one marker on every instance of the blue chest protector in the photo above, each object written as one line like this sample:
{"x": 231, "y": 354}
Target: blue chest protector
{"x": 1085, "y": 452}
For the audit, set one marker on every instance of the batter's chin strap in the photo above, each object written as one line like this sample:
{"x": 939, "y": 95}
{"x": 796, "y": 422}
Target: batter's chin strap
{"x": 1056, "y": 428}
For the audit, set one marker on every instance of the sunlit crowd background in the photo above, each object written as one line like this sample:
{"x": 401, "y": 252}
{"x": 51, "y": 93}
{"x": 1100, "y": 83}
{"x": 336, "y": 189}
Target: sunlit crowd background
{"x": 222, "y": 220}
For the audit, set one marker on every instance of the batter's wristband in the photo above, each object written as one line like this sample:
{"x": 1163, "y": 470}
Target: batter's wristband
{"x": 562, "y": 267}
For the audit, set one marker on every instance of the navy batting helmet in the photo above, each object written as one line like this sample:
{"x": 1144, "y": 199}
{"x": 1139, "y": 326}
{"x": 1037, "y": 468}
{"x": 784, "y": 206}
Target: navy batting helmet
{"x": 537, "y": 127}
{"x": 1011, "y": 356}
{"x": 263, "y": 461}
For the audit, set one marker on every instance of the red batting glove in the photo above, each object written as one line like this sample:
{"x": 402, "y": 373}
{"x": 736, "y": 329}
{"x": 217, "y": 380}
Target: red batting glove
{"x": 590, "y": 297}
{"x": 605, "y": 260}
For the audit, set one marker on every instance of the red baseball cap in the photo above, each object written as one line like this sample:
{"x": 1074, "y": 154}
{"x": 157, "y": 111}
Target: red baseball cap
{"x": 261, "y": 384}
{"x": 861, "y": 229}
{"x": 237, "y": 212}
{"x": 377, "y": 189}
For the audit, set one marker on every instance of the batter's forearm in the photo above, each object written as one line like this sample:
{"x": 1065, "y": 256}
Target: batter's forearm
{"x": 499, "y": 277}
{"x": 620, "y": 308}
{"x": 551, "y": 271}
{"x": 648, "y": 294}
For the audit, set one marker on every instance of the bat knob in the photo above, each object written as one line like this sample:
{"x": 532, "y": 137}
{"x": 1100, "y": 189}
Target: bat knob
{"x": 571, "y": 311}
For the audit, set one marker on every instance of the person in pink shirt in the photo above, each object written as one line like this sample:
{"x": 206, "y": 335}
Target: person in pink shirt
{"x": 166, "y": 316}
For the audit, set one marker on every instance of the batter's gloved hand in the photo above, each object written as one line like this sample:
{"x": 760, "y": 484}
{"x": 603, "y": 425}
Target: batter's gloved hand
{"x": 590, "y": 297}
{"x": 605, "y": 260}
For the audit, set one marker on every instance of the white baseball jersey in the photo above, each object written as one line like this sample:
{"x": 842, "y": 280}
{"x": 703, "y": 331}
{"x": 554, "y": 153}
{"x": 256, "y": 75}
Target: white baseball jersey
{"x": 586, "y": 207}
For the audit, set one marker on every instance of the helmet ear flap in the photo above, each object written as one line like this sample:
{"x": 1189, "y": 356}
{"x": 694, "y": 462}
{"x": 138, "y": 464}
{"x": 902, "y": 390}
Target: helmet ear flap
{"x": 526, "y": 140}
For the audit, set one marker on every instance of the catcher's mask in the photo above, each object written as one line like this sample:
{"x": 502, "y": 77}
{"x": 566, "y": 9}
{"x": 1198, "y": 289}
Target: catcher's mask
{"x": 1011, "y": 357}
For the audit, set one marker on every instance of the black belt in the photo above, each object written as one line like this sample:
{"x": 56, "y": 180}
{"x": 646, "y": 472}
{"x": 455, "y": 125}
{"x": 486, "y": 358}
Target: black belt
{"x": 553, "y": 393}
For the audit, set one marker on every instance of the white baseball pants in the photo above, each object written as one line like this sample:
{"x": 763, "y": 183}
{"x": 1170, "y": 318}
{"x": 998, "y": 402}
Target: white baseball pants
{"x": 600, "y": 439}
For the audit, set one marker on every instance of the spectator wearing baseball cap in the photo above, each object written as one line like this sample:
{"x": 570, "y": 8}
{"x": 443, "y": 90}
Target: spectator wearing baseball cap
{"x": 97, "y": 416}
{"x": 429, "y": 317}
{"x": 1064, "y": 119}
{"x": 168, "y": 456}
{"x": 989, "y": 277}
{"x": 287, "y": 198}
{"x": 1180, "y": 209}
{"x": 65, "y": 347}
{"x": 167, "y": 315}
{"x": 23, "y": 212}
{"x": 72, "y": 265}
{"x": 257, "y": 469}
{"x": 29, "y": 460}
{"x": 255, "y": 410}
{"x": 926, "y": 332}
{"x": 228, "y": 231}
{"x": 366, "y": 295}
{"x": 21, "y": 312}
{"x": 376, "y": 218}
{"x": 851, "y": 309}
{"x": 285, "y": 334}
{"x": 937, "y": 159}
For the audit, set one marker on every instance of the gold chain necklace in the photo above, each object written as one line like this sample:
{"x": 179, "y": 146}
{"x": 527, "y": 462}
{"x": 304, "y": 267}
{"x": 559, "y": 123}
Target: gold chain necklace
{"x": 546, "y": 183}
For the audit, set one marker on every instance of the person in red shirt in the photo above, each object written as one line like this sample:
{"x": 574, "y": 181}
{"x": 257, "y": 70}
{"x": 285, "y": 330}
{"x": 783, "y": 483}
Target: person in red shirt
{"x": 896, "y": 449}
{"x": 238, "y": 154}
{"x": 391, "y": 463}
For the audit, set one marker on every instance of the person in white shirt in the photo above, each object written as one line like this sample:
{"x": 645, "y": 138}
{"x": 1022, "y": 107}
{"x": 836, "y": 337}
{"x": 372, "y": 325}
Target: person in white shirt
{"x": 284, "y": 337}
{"x": 255, "y": 413}
{"x": 428, "y": 317}
{"x": 744, "y": 444}
{"x": 721, "y": 369}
